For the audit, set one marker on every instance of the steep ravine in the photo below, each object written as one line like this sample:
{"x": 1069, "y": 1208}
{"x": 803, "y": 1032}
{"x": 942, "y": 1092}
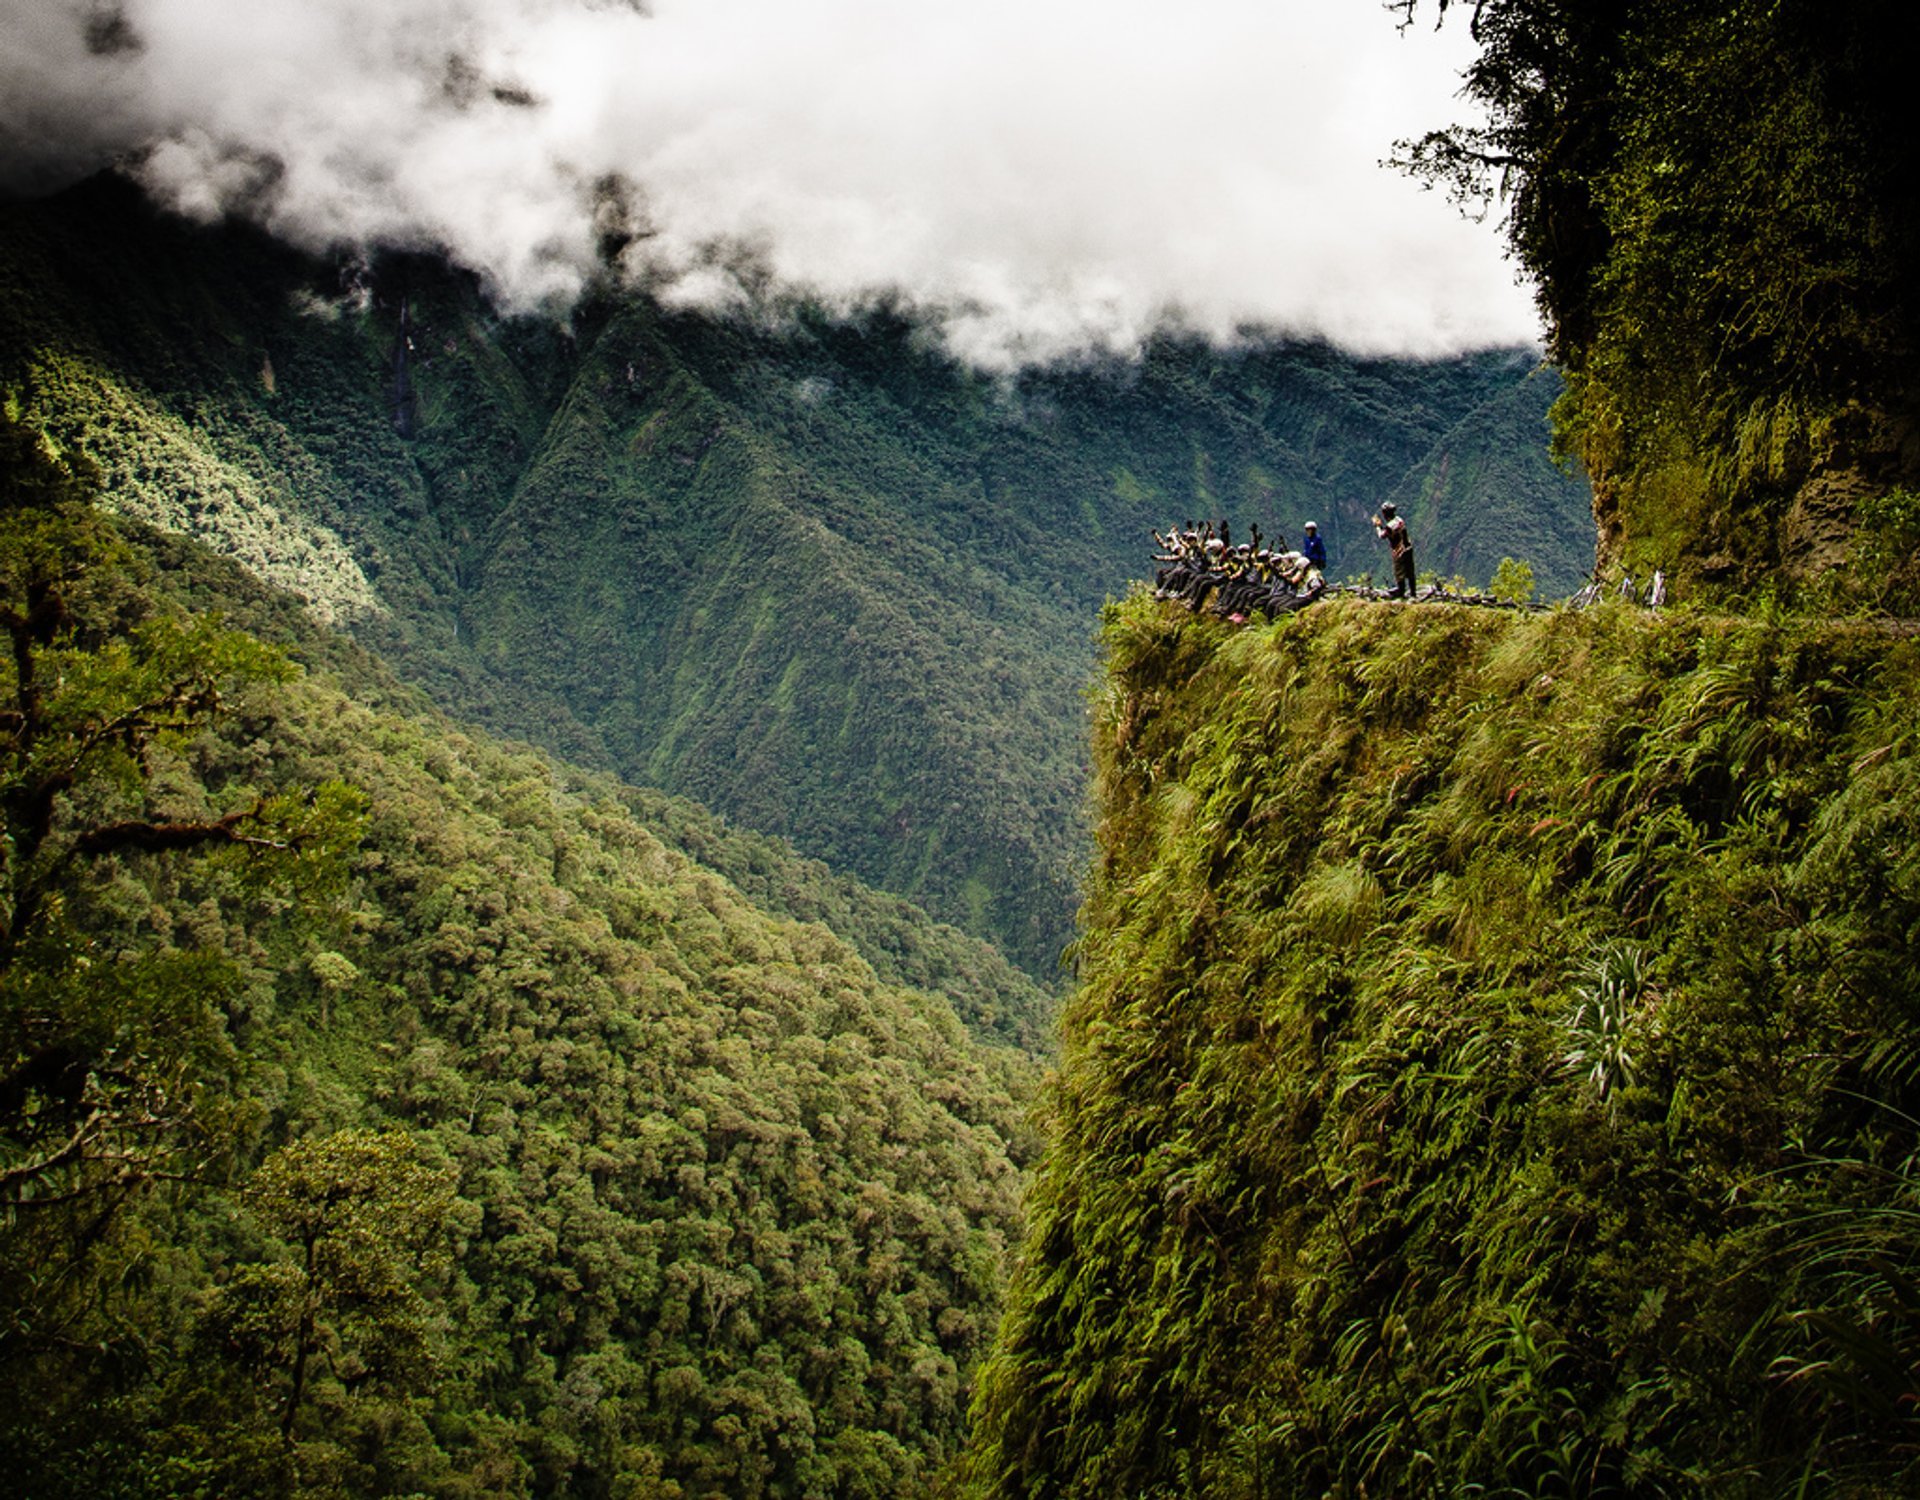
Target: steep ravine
{"x": 820, "y": 577}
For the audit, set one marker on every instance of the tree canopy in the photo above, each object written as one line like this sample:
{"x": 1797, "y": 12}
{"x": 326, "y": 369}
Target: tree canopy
{"x": 383, "y": 1110}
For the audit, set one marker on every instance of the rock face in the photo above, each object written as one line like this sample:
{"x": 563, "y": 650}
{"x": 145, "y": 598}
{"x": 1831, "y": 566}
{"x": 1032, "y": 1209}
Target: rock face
{"x": 1867, "y": 453}
{"x": 1782, "y": 502}
{"x": 1781, "y": 497}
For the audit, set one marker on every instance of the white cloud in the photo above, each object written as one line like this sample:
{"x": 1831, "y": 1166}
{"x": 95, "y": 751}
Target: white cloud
{"x": 1047, "y": 174}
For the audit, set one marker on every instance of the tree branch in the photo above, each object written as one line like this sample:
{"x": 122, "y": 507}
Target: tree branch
{"x": 149, "y": 837}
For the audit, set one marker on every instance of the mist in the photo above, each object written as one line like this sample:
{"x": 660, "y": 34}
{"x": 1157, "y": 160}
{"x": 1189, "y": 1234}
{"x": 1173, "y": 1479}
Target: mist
{"x": 1038, "y": 179}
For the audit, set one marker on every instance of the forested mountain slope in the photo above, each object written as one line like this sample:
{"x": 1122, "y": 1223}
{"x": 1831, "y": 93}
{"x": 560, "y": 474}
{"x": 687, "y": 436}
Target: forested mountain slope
{"x": 1495, "y": 1070}
{"x": 1492, "y": 452}
{"x": 385, "y": 1110}
{"x": 815, "y": 576}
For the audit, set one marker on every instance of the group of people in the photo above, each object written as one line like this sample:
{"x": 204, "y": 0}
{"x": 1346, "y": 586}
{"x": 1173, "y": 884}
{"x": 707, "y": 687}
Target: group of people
{"x": 1200, "y": 566}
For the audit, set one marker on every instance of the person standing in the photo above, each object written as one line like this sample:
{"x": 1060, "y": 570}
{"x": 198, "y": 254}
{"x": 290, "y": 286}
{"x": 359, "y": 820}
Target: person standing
{"x": 1312, "y": 548}
{"x": 1393, "y": 531}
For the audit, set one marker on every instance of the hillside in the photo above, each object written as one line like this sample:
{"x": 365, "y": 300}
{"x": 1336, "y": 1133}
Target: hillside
{"x": 1494, "y": 451}
{"x": 810, "y": 573}
{"x": 1494, "y": 1070}
{"x": 902, "y": 943}
{"x": 1495, "y": 1066}
{"x": 388, "y": 1110}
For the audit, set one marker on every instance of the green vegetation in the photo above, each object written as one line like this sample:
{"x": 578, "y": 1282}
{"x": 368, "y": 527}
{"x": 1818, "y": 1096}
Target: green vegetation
{"x": 1495, "y": 1067}
{"x": 1720, "y": 205}
{"x": 1512, "y": 582}
{"x": 821, "y": 579}
{"x": 1496, "y": 1063}
{"x": 387, "y": 1111}
{"x": 1495, "y": 1070}
{"x": 1484, "y": 496}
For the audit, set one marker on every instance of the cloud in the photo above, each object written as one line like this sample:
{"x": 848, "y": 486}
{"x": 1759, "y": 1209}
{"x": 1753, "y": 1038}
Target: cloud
{"x": 1045, "y": 176}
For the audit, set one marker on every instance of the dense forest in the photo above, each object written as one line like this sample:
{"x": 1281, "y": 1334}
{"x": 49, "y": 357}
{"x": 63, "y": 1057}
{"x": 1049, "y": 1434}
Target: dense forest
{"x": 807, "y": 571}
{"x": 1490, "y": 1062}
{"x": 388, "y": 1110}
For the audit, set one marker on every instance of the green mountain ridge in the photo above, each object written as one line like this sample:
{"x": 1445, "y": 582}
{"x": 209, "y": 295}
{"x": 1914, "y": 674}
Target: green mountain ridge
{"x": 904, "y": 945}
{"x": 1492, "y": 1064}
{"x": 817, "y": 577}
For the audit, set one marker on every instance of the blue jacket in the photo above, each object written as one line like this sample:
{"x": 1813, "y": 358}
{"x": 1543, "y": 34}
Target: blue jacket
{"x": 1314, "y": 550}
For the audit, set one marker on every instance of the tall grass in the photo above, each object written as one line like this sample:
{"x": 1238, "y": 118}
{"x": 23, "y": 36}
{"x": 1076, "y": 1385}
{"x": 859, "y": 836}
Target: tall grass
{"x": 1469, "y": 1003}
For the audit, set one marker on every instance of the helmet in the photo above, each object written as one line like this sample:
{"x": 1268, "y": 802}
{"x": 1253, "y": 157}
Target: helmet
{"x": 1311, "y": 527}
{"x": 1387, "y": 509}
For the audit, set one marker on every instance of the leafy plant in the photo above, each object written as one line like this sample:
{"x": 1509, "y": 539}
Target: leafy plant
{"x": 1513, "y": 582}
{"x": 1613, "y": 994}
{"x": 363, "y": 1222}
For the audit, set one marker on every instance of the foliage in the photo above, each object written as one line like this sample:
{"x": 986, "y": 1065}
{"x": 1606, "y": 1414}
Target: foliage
{"x": 906, "y": 947}
{"x": 113, "y": 1057}
{"x": 1885, "y": 555}
{"x": 1717, "y": 205}
{"x": 1512, "y": 581}
{"x": 1326, "y": 1210}
{"x": 539, "y": 1161}
{"x": 361, "y": 1220}
{"x": 1606, "y": 1004}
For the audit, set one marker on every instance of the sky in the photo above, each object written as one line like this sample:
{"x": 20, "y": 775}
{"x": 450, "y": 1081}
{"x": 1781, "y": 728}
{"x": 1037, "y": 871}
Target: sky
{"x": 1037, "y": 178}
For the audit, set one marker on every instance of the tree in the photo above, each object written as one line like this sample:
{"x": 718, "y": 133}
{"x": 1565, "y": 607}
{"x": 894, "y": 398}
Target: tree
{"x": 112, "y": 1047}
{"x": 363, "y": 1222}
{"x": 1719, "y": 206}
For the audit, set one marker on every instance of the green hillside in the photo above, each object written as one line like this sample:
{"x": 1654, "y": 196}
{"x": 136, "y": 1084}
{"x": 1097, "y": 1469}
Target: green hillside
{"x": 387, "y": 1110}
{"x": 1495, "y": 1068}
{"x": 1484, "y": 494}
{"x": 816, "y": 576}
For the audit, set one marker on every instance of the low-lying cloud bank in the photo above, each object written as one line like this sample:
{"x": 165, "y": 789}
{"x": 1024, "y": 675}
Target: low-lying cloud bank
{"x": 1044, "y": 176}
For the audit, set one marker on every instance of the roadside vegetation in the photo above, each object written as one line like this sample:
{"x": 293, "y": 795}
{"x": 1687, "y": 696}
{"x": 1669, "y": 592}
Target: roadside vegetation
{"x": 1496, "y": 1069}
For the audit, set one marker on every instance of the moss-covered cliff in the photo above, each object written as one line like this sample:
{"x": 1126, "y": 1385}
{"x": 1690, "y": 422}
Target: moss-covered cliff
{"x": 1495, "y": 1069}
{"x": 1718, "y": 202}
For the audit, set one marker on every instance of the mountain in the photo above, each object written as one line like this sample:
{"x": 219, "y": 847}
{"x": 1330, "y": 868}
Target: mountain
{"x": 1479, "y": 497}
{"x": 386, "y": 1109}
{"x": 1494, "y": 1069}
{"x": 807, "y": 572}
{"x": 1497, "y": 1064}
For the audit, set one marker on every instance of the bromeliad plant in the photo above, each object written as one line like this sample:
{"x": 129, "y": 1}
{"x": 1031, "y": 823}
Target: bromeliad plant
{"x": 1613, "y": 994}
